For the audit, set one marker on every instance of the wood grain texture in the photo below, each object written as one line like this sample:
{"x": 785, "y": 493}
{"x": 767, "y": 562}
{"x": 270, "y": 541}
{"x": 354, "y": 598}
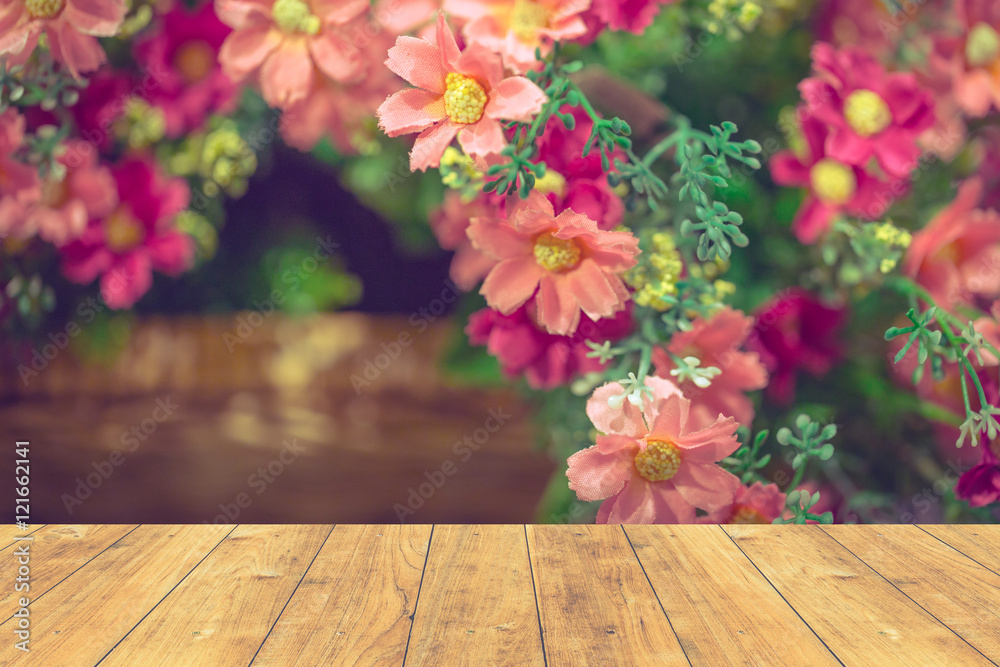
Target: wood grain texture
{"x": 10, "y": 531}
{"x": 594, "y": 601}
{"x": 861, "y": 617}
{"x": 57, "y": 552}
{"x": 980, "y": 543}
{"x": 355, "y": 603}
{"x": 721, "y": 608}
{"x": 222, "y": 612}
{"x": 80, "y": 620}
{"x": 960, "y": 593}
{"x": 477, "y": 603}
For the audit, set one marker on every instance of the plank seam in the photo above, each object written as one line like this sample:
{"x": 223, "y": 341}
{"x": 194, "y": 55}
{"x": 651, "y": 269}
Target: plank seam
{"x": 951, "y": 546}
{"x": 835, "y": 656}
{"x": 15, "y": 541}
{"x": 294, "y": 590}
{"x": 139, "y": 622}
{"x": 416, "y": 601}
{"x": 538, "y": 612}
{"x": 50, "y": 588}
{"x": 655, "y": 594}
{"x": 908, "y": 597}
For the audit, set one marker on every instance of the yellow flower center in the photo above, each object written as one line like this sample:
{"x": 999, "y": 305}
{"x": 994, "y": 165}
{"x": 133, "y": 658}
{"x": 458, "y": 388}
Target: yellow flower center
{"x": 659, "y": 461}
{"x": 464, "y": 98}
{"x": 194, "y": 60}
{"x": 866, "y": 112}
{"x": 44, "y": 9}
{"x": 747, "y": 514}
{"x": 527, "y": 18}
{"x": 833, "y": 182}
{"x": 983, "y": 45}
{"x": 294, "y": 16}
{"x": 557, "y": 255}
{"x": 122, "y": 230}
{"x": 552, "y": 181}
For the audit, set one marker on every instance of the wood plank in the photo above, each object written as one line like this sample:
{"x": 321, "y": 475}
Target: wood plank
{"x": 980, "y": 543}
{"x": 957, "y": 591}
{"x": 477, "y": 602}
{"x": 10, "y": 531}
{"x": 221, "y": 614}
{"x": 82, "y": 619}
{"x": 861, "y": 617}
{"x": 354, "y": 605}
{"x": 595, "y": 603}
{"x": 59, "y": 551}
{"x": 721, "y": 608}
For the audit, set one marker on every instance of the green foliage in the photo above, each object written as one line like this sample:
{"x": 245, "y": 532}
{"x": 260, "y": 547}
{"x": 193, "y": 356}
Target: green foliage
{"x": 746, "y": 461}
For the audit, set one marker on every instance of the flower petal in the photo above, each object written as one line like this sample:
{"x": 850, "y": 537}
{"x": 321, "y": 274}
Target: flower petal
{"x": 558, "y": 309}
{"x": 593, "y": 290}
{"x": 332, "y": 59}
{"x": 635, "y": 504}
{"x": 625, "y": 421}
{"x": 706, "y": 486}
{"x": 431, "y": 144}
{"x": 482, "y": 138}
{"x": 419, "y": 62}
{"x": 515, "y": 98}
{"x": 245, "y": 50}
{"x": 497, "y": 238}
{"x": 287, "y": 75}
{"x": 510, "y": 283}
{"x": 410, "y": 110}
{"x": 710, "y": 444}
{"x": 595, "y": 475}
{"x": 100, "y": 18}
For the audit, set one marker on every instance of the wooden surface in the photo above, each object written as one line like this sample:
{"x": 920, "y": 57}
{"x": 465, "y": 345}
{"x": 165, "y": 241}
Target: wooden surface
{"x": 369, "y": 436}
{"x": 507, "y": 595}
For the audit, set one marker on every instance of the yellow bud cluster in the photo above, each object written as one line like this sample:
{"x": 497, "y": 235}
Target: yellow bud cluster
{"x": 892, "y": 235}
{"x": 658, "y": 278}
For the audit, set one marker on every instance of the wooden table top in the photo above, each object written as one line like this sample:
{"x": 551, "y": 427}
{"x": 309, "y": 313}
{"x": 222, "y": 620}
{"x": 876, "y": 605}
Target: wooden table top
{"x": 504, "y": 594}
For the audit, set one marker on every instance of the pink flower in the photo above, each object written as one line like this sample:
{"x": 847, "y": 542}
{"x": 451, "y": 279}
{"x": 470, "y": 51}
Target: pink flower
{"x": 516, "y": 29}
{"x": 572, "y": 265}
{"x": 796, "y": 330}
{"x": 717, "y": 342}
{"x": 87, "y": 192}
{"x": 863, "y": 24}
{"x": 654, "y": 474}
{"x": 19, "y": 186}
{"x": 956, "y": 257}
{"x": 981, "y": 485}
{"x": 834, "y": 187}
{"x": 630, "y": 15}
{"x": 757, "y": 503}
{"x": 575, "y": 182}
{"x": 871, "y": 113}
{"x": 102, "y": 102}
{"x": 449, "y": 224}
{"x": 70, "y": 26}
{"x": 973, "y": 60}
{"x": 190, "y": 84}
{"x": 546, "y": 360}
{"x": 282, "y": 42}
{"x": 137, "y": 237}
{"x": 458, "y": 92}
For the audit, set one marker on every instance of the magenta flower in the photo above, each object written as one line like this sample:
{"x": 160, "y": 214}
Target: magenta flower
{"x": 658, "y": 473}
{"x": 871, "y": 113}
{"x": 190, "y": 84}
{"x": 457, "y": 92}
{"x": 516, "y": 29}
{"x": 546, "y": 360}
{"x": 633, "y": 16}
{"x": 981, "y": 485}
{"x": 834, "y": 186}
{"x": 717, "y": 343}
{"x": 137, "y": 237}
{"x": 70, "y": 27}
{"x": 564, "y": 262}
{"x": 795, "y": 330}
{"x": 758, "y": 503}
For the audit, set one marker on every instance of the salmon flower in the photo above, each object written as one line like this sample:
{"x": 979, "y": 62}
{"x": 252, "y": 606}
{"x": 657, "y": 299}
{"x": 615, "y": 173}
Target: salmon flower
{"x": 956, "y": 257}
{"x": 974, "y": 59}
{"x": 282, "y": 42}
{"x": 19, "y": 184}
{"x": 757, "y": 503}
{"x": 566, "y": 260}
{"x": 457, "y": 92}
{"x": 70, "y": 26}
{"x": 657, "y": 473}
{"x": 515, "y": 29}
